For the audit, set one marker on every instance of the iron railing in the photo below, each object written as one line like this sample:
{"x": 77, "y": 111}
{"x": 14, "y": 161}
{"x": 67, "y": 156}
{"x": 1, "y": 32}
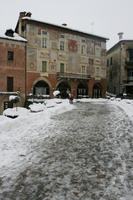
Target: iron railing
{"x": 67, "y": 75}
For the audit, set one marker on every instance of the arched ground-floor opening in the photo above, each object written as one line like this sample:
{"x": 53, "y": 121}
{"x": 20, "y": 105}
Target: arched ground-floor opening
{"x": 41, "y": 88}
{"x": 96, "y": 93}
{"x": 64, "y": 89}
{"x": 82, "y": 90}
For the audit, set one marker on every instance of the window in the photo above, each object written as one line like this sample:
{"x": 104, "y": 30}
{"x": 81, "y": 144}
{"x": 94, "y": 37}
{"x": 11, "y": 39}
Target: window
{"x": 44, "y": 32}
{"x": 44, "y": 66}
{"x": 44, "y": 42}
{"x": 97, "y": 43}
{"x": 62, "y": 45}
{"x": 111, "y": 61}
{"x": 130, "y": 74}
{"x": 97, "y": 71}
{"x": 107, "y": 62}
{"x": 83, "y": 49}
{"x": 97, "y": 52}
{"x": 131, "y": 55}
{"x": 62, "y": 67}
{"x": 10, "y": 56}
{"x": 83, "y": 41}
{"x": 9, "y": 84}
{"x": 91, "y": 61}
{"x": 62, "y": 36}
{"x": 83, "y": 69}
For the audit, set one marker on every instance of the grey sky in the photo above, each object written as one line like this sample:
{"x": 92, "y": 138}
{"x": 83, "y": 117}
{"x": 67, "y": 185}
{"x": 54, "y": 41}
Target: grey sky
{"x": 100, "y": 17}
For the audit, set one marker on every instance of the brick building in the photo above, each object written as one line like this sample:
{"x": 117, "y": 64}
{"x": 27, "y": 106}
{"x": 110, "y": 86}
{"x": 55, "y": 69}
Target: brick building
{"x": 62, "y": 58}
{"x": 12, "y": 67}
{"x": 120, "y": 68}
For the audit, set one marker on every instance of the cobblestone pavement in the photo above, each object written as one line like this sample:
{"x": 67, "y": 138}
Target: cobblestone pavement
{"x": 88, "y": 157}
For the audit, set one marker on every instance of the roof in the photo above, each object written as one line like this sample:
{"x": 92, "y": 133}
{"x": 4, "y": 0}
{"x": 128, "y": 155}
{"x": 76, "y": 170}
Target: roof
{"x": 64, "y": 28}
{"x": 16, "y": 37}
{"x": 118, "y": 44}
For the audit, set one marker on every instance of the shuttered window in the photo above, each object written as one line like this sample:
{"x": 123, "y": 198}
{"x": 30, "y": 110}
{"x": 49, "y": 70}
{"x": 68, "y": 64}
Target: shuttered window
{"x": 44, "y": 66}
{"x": 9, "y": 84}
{"x": 61, "y": 67}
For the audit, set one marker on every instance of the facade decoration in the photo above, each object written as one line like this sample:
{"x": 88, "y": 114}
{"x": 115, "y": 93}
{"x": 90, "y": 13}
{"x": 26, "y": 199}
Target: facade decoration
{"x": 70, "y": 60}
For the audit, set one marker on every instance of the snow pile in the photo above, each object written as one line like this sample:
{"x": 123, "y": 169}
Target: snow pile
{"x": 12, "y": 97}
{"x": 126, "y": 105}
{"x": 55, "y": 93}
{"x": 16, "y": 111}
{"x": 87, "y": 100}
{"x": 36, "y": 107}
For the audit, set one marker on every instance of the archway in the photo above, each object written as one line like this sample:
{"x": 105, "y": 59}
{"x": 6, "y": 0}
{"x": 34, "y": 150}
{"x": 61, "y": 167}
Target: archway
{"x": 41, "y": 88}
{"x": 82, "y": 90}
{"x": 64, "y": 89}
{"x": 96, "y": 91}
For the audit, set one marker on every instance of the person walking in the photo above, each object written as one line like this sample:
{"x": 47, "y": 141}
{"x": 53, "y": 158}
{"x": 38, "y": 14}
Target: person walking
{"x": 70, "y": 98}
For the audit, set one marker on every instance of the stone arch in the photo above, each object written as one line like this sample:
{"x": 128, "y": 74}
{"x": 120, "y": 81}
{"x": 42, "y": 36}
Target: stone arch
{"x": 82, "y": 90}
{"x": 42, "y": 79}
{"x": 97, "y": 91}
{"x": 41, "y": 87}
{"x": 64, "y": 88}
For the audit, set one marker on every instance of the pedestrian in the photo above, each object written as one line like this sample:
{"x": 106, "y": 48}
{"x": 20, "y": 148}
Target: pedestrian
{"x": 70, "y": 98}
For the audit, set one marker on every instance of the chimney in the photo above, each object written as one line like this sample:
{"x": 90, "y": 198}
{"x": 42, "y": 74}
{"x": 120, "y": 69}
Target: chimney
{"x": 64, "y": 24}
{"x": 28, "y": 14}
{"x": 120, "y": 35}
{"x": 24, "y": 14}
{"x": 9, "y": 32}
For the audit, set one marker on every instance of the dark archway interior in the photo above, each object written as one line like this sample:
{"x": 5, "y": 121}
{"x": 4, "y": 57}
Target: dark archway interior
{"x": 82, "y": 90}
{"x": 64, "y": 89}
{"x": 96, "y": 91}
{"x": 41, "y": 88}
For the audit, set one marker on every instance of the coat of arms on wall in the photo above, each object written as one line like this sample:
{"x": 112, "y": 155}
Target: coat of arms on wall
{"x": 72, "y": 45}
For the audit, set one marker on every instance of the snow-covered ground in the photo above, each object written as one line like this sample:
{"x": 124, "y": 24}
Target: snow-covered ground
{"x": 17, "y": 135}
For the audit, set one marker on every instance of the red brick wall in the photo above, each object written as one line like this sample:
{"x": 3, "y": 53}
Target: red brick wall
{"x": 15, "y": 69}
{"x": 52, "y": 81}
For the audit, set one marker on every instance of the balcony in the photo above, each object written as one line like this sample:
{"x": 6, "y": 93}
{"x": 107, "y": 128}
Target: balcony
{"x": 66, "y": 75}
{"x": 129, "y": 64}
{"x": 130, "y": 78}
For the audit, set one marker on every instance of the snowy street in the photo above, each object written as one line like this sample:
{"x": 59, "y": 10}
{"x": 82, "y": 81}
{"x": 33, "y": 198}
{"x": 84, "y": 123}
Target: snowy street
{"x": 82, "y": 151}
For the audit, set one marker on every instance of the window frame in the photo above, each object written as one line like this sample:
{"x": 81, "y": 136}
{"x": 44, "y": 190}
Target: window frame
{"x": 62, "y": 45}
{"x": 83, "y": 49}
{"x": 10, "y": 83}
{"x": 44, "y": 67}
{"x": 44, "y": 44}
{"x": 10, "y": 56}
{"x": 83, "y": 69}
{"x": 62, "y": 64}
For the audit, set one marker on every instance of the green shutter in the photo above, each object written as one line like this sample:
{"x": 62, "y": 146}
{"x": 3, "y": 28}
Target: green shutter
{"x": 62, "y": 67}
{"x": 44, "y": 66}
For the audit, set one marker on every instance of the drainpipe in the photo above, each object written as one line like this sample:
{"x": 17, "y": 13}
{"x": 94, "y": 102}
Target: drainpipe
{"x": 25, "y": 69}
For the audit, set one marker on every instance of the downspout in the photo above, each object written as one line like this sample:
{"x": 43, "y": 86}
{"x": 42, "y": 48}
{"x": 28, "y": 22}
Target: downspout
{"x": 25, "y": 70}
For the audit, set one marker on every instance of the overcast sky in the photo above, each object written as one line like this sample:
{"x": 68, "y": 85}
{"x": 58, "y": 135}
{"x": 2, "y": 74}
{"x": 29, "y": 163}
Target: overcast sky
{"x": 100, "y": 17}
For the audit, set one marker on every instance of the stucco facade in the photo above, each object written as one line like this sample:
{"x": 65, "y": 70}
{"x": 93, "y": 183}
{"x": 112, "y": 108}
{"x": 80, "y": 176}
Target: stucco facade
{"x": 12, "y": 69}
{"x": 120, "y": 68}
{"x": 62, "y": 58}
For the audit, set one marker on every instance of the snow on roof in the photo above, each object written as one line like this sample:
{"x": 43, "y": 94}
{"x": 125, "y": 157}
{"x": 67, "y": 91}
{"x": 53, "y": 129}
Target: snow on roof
{"x": 126, "y": 40}
{"x": 64, "y": 27}
{"x": 15, "y": 37}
